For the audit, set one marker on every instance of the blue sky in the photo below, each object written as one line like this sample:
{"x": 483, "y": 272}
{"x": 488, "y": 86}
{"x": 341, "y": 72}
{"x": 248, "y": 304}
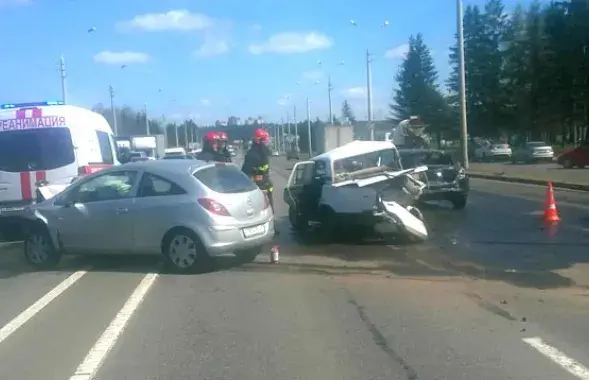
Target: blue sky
{"x": 209, "y": 60}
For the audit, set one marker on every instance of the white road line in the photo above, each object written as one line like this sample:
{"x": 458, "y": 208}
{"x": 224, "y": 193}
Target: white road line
{"x": 88, "y": 368}
{"x": 32, "y": 310}
{"x": 572, "y": 366}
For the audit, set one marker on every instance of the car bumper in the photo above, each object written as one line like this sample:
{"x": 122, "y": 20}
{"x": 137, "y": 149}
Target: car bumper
{"x": 443, "y": 191}
{"x": 547, "y": 156}
{"x": 220, "y": 240}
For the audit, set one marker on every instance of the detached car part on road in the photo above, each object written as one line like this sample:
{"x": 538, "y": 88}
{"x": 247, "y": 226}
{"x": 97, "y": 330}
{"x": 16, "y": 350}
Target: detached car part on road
{"x": 357, "y": 186}
{"x": 444, "y": 179}
{"x": 186, "y": 210}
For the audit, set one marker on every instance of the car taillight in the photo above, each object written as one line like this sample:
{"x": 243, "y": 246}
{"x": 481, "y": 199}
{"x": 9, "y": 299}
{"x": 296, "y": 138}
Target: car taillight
{"x": 266, "y": 201}
{"x": 84, "y": 170}
{"x": 213, "y": 206}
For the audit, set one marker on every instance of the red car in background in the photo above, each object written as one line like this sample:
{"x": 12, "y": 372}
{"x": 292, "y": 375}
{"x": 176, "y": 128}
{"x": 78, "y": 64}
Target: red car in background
{"x": 578, "y": 157}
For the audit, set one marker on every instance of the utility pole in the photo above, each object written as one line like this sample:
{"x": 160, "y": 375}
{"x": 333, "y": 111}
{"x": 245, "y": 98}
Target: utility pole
{"x": 369, "y": 92}
{"x": 462, "y": 79}
{"x": 329, "y": 90}
{"x": 63, "y": 77}
{"x": 112, "y": 108}
{"x": 176, "y": 131}
{"x": 296, "y": 126}
{"x": 146, "y": 122}
{"x": 309, "y": 128}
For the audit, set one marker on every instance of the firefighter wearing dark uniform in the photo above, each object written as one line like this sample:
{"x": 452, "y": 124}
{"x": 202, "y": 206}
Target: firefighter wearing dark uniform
{"x": 223, "y": 146}
{"x": 256, "y": 163}
{"x": 210, "y": 146}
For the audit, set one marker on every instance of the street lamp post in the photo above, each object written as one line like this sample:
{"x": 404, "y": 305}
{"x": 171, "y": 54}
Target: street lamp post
{"x": 462, "y": 79}
{"x": 111, "y": 91}
{"x": 369, "y": 82}
{"x": 309, "y": 128}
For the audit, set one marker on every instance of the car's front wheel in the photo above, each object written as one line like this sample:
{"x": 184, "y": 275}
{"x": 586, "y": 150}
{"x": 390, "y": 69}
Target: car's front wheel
{"x": 459, "y": 202}
{"x": 184, "y": 252}
{"x": 39, "y": 249}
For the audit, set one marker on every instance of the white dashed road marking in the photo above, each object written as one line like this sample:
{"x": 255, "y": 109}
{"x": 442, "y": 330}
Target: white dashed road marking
{"x": 32, "y": 310}
{"x": 570, "y": 365}
{"x": 88, "y": 368}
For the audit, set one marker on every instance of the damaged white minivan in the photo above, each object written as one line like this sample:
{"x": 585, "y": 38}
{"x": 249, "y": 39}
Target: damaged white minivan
{"x": 358, "y": 186}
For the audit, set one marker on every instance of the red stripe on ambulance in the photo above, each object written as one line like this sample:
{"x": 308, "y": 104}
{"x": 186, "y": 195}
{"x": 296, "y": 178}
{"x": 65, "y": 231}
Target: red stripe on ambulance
{"x": 26, "y": 190}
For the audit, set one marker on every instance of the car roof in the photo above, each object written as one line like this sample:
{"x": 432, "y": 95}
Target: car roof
{"x": 164, "y": 167}
{"x": 417, "y": 151}
{"x": 355, "y": 148}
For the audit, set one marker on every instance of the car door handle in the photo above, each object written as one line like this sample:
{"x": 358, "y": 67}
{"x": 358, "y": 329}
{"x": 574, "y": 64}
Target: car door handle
{"x": 121, "y": 210}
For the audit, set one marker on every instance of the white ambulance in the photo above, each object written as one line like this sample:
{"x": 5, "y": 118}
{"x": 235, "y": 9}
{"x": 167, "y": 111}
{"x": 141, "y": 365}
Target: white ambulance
{"x": 51, "y": 142}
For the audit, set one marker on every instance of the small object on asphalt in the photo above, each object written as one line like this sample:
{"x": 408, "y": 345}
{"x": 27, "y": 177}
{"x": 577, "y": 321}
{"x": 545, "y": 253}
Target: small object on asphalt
{"x": 550, "y": 211}
{"x": 524, "y": 319}
{"x": 523, "y": 330}
{"x": 503, "y": 302}
{"x": 274, "y": 255}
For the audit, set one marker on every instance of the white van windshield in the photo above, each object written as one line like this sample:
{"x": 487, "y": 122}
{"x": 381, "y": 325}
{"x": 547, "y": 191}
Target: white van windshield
{"x": 35, "y": 149}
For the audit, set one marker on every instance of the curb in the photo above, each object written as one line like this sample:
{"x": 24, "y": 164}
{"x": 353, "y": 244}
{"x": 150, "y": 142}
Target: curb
{"x": 529, "y": 181}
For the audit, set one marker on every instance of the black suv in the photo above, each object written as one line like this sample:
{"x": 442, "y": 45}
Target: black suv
{"x": 444, "y": 178}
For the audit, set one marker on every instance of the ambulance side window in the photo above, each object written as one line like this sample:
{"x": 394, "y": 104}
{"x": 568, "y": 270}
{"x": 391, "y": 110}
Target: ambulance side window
{"x": 105, "y": 148}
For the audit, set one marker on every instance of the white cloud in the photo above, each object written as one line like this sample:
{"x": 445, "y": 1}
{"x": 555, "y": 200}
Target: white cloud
{"x": 118, "y": 58}
{"x": 354, "y": 93}
{"x": 257, "y": 27}
{"x": 205, "y": 102}
{"x": 398, "y": 52}
{"x": 212, "y": 46}
{"x": 292, "y": 43}
{"x": 182, "y": 20}
{"x": 313, "y": 75}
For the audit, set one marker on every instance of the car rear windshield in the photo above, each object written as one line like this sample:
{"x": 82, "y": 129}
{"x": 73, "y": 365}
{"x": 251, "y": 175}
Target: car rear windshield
{"x": 415, "y": 159}
{"x": 35, "y": 149}
{"x": 225, "y": 179}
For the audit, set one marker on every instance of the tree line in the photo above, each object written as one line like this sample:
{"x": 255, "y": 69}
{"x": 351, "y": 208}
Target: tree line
{"x": 527, "y": 74}
{"x": 132, "y": 122}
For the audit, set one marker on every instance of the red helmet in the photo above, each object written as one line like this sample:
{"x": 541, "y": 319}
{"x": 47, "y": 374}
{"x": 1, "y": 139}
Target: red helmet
{"x": 261, "y": 135}
{"x": 223, "y": 136}
{"x": 211, "y": 136}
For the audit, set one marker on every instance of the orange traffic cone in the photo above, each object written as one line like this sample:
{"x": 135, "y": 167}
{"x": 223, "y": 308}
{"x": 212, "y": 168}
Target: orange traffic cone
{"x": 550, "y": 212}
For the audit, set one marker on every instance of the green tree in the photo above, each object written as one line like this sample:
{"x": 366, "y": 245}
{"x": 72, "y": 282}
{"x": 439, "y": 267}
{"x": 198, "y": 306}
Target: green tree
{"x": 417, "y": 92}
{"x": 347, "y": 112}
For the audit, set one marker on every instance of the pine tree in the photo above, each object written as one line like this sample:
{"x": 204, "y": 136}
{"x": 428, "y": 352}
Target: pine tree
{"x": 347, "y": 112}
{"x": 417, "y": 93}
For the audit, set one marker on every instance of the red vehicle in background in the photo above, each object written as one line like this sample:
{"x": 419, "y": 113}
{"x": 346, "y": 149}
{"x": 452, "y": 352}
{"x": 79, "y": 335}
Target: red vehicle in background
{"x": 578, "y": 157}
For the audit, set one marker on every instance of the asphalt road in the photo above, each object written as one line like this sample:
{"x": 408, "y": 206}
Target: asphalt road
{"x": 491, "y": 296}
{"x": 543, "y": 171}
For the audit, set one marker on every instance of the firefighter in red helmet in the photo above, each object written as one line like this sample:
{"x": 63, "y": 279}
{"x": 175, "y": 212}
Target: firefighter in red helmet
{"x": 256, "y": 163}
{"x": 223, "y": 146}
{"x": 210, "y": 148}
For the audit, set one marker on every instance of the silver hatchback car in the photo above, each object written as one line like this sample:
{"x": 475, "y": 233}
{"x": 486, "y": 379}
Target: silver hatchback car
{"x": 187, "y": 210}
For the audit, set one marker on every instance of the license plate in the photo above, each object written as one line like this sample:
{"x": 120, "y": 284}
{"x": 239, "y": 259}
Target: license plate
{"x": 254, "y": 231}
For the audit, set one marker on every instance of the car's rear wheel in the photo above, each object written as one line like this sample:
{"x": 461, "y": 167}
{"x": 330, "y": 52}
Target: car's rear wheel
{"x": 39, "y": 249}
{"x": 185, "y": 252}
{"x": 567, "y": 164}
